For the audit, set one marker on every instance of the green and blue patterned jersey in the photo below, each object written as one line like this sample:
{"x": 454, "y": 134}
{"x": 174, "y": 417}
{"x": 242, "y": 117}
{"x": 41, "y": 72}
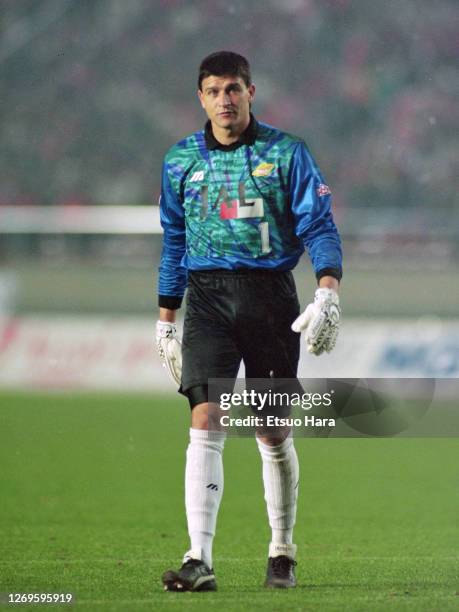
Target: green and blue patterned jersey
{"x": 255, "y": 204}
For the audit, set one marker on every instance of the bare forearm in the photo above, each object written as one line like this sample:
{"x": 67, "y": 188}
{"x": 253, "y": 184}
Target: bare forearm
{"x": 167, "y": 315}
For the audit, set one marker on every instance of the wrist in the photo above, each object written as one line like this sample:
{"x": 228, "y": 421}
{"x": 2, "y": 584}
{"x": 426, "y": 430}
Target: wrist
{"x": 329, "y": 282}
{"x": 166, "y": 315}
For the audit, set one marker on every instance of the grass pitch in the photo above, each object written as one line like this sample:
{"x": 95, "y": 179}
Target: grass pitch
{"x": 92, "y": 503}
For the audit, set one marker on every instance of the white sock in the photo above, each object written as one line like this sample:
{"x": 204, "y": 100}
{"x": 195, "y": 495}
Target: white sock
{"x": 280, "y": 478}
{"x": 203, "y": 490}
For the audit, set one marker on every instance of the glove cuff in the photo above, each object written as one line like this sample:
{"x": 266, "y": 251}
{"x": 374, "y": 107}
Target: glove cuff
{"x": 324, "y": 294}
{"x": 164, "y": 329}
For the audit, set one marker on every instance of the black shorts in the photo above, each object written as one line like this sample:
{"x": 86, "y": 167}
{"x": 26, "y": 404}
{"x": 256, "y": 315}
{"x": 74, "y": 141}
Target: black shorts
{"x": 239, "y": 315}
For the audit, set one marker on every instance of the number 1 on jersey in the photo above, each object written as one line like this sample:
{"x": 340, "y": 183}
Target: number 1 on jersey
{"x": 263, "y": 228}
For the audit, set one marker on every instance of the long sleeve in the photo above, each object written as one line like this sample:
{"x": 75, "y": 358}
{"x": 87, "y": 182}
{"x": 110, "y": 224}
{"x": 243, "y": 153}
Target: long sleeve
{"x": 311, "y": 206}
{"x": 172, "y": 274}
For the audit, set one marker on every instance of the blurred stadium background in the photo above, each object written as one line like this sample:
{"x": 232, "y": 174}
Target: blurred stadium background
{"x": 93, "y": 94}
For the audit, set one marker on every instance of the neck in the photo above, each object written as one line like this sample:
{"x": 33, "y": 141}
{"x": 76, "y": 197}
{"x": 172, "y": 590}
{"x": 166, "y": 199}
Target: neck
{"x": 227, "y": 136}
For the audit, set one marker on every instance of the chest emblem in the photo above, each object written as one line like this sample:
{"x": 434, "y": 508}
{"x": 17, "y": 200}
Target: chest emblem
{"x": 263, "y": 169}
{"x": 323, "y": 190}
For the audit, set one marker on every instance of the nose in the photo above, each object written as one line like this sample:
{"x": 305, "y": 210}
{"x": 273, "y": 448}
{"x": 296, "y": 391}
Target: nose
{"x": 224, "y": 99}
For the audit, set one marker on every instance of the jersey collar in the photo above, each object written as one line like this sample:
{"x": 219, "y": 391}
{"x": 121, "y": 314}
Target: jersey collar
{"x": 247, "y": 137}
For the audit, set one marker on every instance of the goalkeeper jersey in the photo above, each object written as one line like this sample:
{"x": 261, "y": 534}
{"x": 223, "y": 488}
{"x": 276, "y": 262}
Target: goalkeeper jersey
{"x": 257, "y": 203}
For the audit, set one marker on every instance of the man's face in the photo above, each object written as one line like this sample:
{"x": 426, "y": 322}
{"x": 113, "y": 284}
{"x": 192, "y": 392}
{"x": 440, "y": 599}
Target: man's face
{"x": 226, "y": 100}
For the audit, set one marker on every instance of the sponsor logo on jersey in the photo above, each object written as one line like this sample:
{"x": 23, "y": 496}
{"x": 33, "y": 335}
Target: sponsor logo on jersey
{"x": 263, "y": 169}
{"x": 247, "y": 209}
{"x": 323, "y": 190}
{"x": 197, "y": 176}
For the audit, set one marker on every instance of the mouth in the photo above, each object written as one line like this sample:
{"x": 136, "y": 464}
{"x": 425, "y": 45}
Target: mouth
{"x": 226, "y": 114}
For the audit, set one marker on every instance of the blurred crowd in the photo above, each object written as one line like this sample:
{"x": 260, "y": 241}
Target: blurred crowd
{"x": 95, "y": 91}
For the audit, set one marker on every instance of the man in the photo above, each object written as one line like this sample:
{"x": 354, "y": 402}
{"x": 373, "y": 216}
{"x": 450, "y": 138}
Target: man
{"x": 240, "y": 201}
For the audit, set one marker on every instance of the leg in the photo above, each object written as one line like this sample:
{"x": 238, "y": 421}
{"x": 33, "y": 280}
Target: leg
{"x": 209, "y": 352}
{"x": 203, "y": 494}
{"x": 278, "y": 361}
{"x": 280, "y": 479}
{"x": 203, "y": 481}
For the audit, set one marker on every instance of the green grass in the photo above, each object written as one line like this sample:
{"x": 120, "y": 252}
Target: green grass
{"x": 91, "y": 502}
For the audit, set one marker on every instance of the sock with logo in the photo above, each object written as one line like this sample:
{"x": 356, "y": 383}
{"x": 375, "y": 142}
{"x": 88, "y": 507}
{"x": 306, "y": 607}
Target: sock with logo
{"x": 203, "y": 490}
{"x": 280, "y": 479}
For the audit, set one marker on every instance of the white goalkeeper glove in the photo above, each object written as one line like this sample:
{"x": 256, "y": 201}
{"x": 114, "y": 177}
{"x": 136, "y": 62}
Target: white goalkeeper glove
{"x": 320, "y": 320}
{"x": 169, "y": 349}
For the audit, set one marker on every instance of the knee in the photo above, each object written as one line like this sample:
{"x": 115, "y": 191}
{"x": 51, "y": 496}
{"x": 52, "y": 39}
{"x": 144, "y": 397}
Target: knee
{"x": 206, "y": 416}
{"x": 275, "y": 438}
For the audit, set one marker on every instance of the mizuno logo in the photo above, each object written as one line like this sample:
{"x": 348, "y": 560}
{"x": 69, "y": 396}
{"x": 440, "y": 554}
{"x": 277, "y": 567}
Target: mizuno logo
{"x": 212, "y": 486}
{"x": 197, "y": 176}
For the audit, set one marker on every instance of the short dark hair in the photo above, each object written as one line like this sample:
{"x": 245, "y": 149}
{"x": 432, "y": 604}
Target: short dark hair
{"x": 222, "y": 63}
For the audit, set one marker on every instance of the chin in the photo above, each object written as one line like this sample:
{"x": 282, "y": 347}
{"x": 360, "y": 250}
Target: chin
{"x": 225, "y": 123}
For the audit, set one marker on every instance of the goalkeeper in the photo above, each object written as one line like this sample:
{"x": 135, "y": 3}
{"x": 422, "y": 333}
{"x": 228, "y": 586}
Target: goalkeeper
{"x": 240, "y": 201}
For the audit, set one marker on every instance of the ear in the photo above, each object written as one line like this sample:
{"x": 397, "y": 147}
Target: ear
{"x": 201, "y": 98}
{"x": 251, "y": 92}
